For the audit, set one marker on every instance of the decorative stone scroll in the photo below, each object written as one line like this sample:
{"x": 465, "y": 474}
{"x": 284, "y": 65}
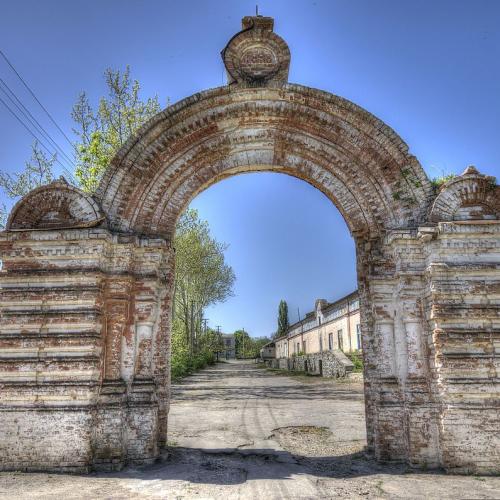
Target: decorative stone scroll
{"x": 257, "y": 57}
{"x": 470, "y": 196}
{"x": 55, "y": 206}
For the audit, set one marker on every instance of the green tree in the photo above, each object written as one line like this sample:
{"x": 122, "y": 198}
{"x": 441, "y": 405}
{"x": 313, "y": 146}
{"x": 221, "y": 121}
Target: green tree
{"x": 242, "y": 343}
{"x": 103, "y": 131}
{"x": 202, "y": 276}
{"x": 100, "y": 134}
{"x": 283, "y": 323}
{"x": 38, "y": 170}
{"x": 246, "y": 346}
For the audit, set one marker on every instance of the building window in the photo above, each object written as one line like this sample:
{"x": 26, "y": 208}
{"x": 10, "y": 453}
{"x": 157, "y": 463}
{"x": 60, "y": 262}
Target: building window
{"x": 340, "y": 340}
{"x": 358, "y": 335}
{"x": 320, "y": 343}
{"x": 330, "y": 341}
{"x": 304, "y": 346}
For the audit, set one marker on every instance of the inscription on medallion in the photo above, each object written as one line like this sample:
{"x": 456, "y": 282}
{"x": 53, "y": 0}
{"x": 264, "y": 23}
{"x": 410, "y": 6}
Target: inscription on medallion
{"x": 259, "y": 62}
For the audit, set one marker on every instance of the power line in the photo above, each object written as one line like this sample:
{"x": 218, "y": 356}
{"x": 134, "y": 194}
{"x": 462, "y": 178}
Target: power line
{"x": 33, "y": 121}
{"x": 36, "y": 99}
{"x": 37, "y": 138}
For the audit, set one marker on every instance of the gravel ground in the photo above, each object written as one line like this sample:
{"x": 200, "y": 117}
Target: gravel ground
{"x": 239, "y": 431}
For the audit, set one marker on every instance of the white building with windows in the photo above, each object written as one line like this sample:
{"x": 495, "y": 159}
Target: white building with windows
{"x": 329, "y": 327}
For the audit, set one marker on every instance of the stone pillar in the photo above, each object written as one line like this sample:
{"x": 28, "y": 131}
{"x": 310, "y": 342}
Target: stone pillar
{"x": 463, "y": 316}
{"x": 51, "y": 345}
{"x": 384, "y": 416}
{"x": 384, "y": 330}
{"x": 418, "y": 406}
{"x": 82, "y": 342}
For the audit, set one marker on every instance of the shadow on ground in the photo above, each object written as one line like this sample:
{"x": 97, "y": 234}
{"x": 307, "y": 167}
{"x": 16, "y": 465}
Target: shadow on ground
{"x": 232, "y": 466}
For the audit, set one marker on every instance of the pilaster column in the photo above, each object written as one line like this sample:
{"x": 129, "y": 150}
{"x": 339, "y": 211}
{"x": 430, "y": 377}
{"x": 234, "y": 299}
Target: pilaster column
{"x": 117, "y": 306}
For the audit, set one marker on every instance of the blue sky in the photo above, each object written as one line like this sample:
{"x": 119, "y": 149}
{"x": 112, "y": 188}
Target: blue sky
{"x": 429, "y": 69}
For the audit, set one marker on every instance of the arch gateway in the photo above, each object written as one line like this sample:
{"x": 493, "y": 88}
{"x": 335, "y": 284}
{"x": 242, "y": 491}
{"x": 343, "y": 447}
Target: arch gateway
{"x": 86, "y": 282}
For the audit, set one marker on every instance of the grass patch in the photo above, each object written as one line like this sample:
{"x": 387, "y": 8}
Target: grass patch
{"x": 357, "y": 360}
{"x": 437, "y": 182}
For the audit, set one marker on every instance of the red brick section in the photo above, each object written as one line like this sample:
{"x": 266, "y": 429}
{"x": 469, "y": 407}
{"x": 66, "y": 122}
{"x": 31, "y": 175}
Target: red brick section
{"x": 356, "y": 160}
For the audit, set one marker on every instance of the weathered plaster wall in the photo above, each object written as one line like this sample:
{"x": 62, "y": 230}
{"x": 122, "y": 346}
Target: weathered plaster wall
{"x": 82, "y": 337}
{"x": 463, "y": 313}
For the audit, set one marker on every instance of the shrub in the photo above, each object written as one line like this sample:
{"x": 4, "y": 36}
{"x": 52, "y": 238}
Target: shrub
{"x": 357, "y": 360}
{"x": 437, "y": 182}
{"x": 183, "y": 364}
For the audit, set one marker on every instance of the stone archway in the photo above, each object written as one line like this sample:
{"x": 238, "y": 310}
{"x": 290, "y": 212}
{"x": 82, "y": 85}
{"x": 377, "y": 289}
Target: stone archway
{"x": 86, "y": 353}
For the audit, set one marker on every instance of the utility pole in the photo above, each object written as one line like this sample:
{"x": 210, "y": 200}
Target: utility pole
{"x": 243, "y": 339}
{"x": 219, "y": 340}
{"x": 301, "y": 331}
{"x": 192, "y": 327}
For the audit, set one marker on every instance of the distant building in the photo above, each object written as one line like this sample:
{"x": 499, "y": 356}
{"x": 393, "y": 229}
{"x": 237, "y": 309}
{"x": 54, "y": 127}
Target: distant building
{"x": 229, "y": 342}
{"x": 268, "y": 351}
{"x": 331, "y": 326}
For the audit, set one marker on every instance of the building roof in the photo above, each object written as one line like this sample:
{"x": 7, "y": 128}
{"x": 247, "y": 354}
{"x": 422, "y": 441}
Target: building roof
{"x": 325, "y": 309}
{"x": 269, "y": 344}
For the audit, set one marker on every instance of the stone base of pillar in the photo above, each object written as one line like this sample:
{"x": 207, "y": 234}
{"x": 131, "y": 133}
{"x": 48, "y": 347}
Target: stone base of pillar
{"x": 125, "y": 426}
{"x": 470, "y": 440}
{"x": 46, "y": 439}
{"x": 116, "y": 431}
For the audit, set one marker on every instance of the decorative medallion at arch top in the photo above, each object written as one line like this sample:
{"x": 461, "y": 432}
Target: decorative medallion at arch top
{"x": 57, "y": 205}
{"x": 256, "y": 56}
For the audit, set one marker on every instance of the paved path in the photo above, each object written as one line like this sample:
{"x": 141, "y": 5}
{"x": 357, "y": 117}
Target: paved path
{"x": 237, "y": 431}
{"x": 235, "y": 405}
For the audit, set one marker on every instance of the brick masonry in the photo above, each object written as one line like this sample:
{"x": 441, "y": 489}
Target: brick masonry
{"x": 86, "y": 282}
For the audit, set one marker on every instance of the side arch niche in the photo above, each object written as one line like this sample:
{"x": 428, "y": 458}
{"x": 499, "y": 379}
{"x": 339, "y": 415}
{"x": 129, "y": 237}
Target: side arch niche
{"x": 467, "y": 197}
{"x": 57, "y": 205}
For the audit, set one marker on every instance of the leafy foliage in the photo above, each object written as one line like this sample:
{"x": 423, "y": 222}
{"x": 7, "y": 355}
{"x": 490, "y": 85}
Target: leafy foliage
{"x": 437, "y": 182}
{"x": 102, "y": 132}
{"x": 246, "y": 346}
{"x": 183, "y": 364}
{"x": 283, "y": 323}
{"x": 202, "y": 278}
{"x": 357, "y": 360}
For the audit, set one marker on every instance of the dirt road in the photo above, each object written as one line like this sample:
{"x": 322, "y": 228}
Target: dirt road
{"x": 238, "y": 431}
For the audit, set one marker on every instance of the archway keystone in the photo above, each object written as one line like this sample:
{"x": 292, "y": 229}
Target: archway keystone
{"x": 86, "y": 283}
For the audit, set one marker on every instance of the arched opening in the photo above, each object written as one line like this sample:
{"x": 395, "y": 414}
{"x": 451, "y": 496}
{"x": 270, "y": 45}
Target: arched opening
{"x": 360, "y": 164}
{"x": 314, "y": 257}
